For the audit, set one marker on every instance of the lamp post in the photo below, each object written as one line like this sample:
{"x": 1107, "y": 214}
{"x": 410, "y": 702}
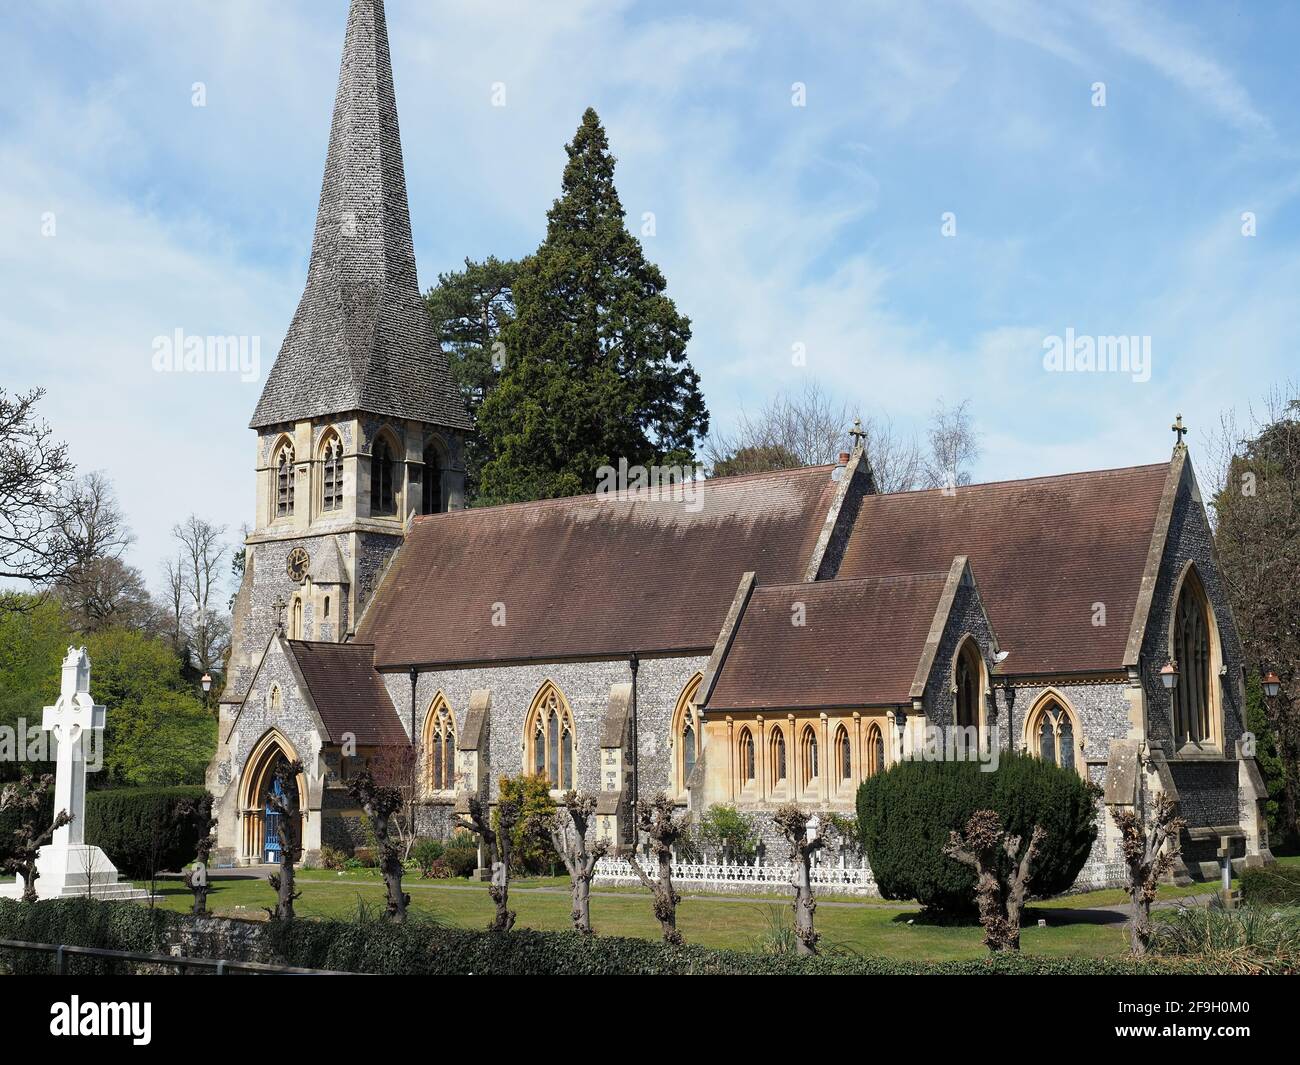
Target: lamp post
{"x": 1272, "y": 684}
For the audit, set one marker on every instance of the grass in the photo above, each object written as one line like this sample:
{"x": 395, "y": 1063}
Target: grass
{"x": 870, "y": 926}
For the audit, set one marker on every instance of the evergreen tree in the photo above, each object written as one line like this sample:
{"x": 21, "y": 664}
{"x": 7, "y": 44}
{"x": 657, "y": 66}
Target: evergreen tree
{"x": 470, "y": 308}
{"x": 596, "y": 366}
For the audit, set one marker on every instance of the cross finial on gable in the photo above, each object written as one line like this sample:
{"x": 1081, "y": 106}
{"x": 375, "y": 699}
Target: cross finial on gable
{"x": 858, "y": 433}
{"x": 279, "y": 606}
{"x": 1180, "y": 430}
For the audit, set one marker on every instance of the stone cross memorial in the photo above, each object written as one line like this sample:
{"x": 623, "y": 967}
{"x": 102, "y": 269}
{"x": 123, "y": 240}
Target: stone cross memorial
{"x": 67, "y": 865}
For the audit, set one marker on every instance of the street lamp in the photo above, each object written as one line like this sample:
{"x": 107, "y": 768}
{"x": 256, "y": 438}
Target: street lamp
{"x": 207, "y": 682}
{"x": 1272, "y": 684}
{"x": 1169, "y": 674}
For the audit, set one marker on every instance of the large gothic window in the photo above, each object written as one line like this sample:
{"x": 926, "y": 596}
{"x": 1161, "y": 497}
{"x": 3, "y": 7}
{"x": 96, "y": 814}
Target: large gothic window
{"x": 284, "y": 481}
{"x": 1051, "y": 733}
{"x": 440, "y": 746}
{"x": 382, "y": 498}
{"x": 969, "y": 684}
{"x": 331, "y": 464}
{"x": 431, "y": 488}
{"x": 686, "y": 738}
{"x": 1193, "y": 647}
{"x": 549, "y": 739}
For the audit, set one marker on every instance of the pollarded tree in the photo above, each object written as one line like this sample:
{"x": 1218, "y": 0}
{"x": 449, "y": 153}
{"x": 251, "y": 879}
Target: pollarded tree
{"x": 569, "y": 831}
{"x": 664, "y": 828}
{"x": 284, "y": 800}
{"x": 199, "y": 811}
{"x": 496, "y": 841}
{"x": 1002, "y": 871}
{"x": 595, "y": 355}
{"x": 29, "y": 797}
{"x": 381, "y": 804}
{"x": 806, "y": 837}
{"x": 1149, "y": 857}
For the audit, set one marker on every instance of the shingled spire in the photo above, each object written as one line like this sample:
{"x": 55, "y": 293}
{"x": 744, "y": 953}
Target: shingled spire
{"x": 361, "y": 339}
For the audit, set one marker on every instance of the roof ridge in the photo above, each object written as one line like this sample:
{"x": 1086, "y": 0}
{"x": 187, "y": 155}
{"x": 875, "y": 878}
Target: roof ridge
{"x": 1030, "y": 480}
{"x": 634, "y": 496}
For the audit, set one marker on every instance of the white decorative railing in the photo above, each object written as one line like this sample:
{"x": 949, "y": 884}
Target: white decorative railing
{"x": 840, "y": 876}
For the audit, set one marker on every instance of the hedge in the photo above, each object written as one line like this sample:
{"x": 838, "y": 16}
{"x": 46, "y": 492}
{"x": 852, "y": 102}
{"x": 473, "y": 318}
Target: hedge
{"x": 906, "y": 813}
{"x": 1271, "y": 884}
{"x": 141, "y": 829}
{"x": 370, "y": 944}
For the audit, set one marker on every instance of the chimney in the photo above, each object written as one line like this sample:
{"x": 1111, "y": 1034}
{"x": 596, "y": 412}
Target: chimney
{"x": 844, "y": 458}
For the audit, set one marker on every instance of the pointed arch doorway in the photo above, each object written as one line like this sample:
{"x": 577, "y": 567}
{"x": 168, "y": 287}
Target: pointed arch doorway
{"x": 261, "y": 833}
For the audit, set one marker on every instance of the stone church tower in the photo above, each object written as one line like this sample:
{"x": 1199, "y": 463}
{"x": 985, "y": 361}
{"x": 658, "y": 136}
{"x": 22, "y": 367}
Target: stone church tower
{"x": 359, "y": 425}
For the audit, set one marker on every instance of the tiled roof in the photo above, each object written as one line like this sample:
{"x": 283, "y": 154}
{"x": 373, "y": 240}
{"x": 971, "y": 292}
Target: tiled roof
{"x": 859, "y": 644}
{"x": 588, "y": 576}
{"x": 1045, "y": 551}
{"x": 362, "y": 339}
{"x": 349, "y": 695}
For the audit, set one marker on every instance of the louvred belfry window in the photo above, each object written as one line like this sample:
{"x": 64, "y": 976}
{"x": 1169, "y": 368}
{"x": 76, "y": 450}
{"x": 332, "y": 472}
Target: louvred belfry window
{"x": 382, "y": 500}
{"x": 332, "y": 474}
{"x": 284, "y": 482}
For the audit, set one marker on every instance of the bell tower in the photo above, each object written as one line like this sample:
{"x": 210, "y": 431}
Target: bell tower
{"x": 359, "y": 425}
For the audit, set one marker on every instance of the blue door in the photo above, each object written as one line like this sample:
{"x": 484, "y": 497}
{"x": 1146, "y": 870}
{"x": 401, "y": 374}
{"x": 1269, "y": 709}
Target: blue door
{"x": 271, "y": 846}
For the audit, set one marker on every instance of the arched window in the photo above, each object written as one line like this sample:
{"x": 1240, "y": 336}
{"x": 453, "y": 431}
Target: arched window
{"x": 843, "y": 757}
{"x": 331, "y": 464}
{"x": 747, "y": 760}
{"x": 440, "y": 746}
{"x": 431, "y": 489}
{"x": 779, "y": 770}
{"x": 1051, "y": 733}
{"x": 549, "y": 739}
{"x": 295, "y": 631}
{"x": 808, "y": 752}
{"x": 284, "y": 481}
{"x": 327, "y": 608}
{"x": 686, "y": 738}
{"x": 1194, "y": 650}
{"x": 382, "y": 499}
{"x": 875, "y": 750}
{"x": 969, "y": 683}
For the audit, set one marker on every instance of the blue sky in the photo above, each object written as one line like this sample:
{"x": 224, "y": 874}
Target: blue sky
{"x": 776, "y": 225}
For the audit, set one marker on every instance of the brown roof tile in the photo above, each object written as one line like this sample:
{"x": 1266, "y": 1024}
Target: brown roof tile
{"x": 585, "y": 577}
{"x": 1043, "y": 550}
{"x": 859, "y": 645}
{"x": 349, "y": 695}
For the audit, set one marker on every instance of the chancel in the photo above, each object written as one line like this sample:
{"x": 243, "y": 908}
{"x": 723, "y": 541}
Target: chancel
{"x": 640, "y": 642}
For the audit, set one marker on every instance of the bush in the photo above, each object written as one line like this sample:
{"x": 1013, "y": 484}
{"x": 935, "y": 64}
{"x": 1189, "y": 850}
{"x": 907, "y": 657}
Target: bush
{"x": 531, "y": 850}
{"x": 332, "y": 858}
{"x": 1276, "y": 884}
{"x": 1245, "y": 940}
{"x": 369, "y": 943}
{"x": 425, "y": 852}
{"x": 460, "y": 855}
{"x": 364, "y": 857}
{"x": 726, "y": 829}
{"x": 144, "y": 831}
{"x": 906, "y": 813}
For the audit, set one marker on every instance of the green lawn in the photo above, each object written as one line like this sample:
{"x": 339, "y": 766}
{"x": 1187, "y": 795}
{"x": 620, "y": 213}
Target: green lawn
{"x": 876, "y": 927}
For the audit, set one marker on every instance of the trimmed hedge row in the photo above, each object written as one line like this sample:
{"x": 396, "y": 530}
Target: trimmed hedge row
{"x": 1272, "y": 884}
{"x": 142, "y": 830}
{"x": 370, "y": 944}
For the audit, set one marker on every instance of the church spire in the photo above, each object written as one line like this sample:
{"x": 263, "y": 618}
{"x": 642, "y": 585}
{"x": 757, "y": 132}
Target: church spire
{"x": 361, "y": 339}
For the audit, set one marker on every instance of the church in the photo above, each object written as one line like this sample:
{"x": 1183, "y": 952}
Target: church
{"x": 780, "y": 638}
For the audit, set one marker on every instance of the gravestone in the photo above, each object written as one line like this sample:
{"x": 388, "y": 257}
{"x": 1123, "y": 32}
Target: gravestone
{"x": 68, "y": 866}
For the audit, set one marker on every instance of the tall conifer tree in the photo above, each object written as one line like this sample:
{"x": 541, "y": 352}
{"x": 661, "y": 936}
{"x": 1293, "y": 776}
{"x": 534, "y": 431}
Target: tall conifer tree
{"x": 596, "y": 366}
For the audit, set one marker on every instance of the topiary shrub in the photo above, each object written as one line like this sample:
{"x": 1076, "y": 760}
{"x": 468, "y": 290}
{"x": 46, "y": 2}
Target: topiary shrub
{"x": 144, "y": 831}
{"x": 425, "y": 852}
{"x": 906, "y": 813}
